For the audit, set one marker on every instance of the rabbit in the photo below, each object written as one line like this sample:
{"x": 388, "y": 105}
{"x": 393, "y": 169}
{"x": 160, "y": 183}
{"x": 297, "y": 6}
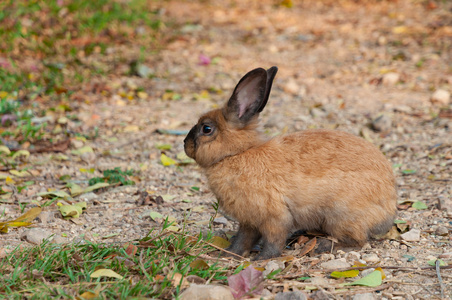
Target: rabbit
{"x": 323, "y": 180}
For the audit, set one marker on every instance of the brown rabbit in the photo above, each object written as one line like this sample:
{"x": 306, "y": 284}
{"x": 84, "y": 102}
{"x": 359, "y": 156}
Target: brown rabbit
{"x": 324, "y": 180}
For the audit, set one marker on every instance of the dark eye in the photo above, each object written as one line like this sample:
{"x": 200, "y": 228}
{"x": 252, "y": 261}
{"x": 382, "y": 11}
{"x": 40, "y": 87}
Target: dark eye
{"x": 207, "y": 129}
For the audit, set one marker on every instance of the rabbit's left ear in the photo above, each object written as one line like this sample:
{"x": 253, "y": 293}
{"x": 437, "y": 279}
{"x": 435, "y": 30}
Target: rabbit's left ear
{"x": 250, "y": 95}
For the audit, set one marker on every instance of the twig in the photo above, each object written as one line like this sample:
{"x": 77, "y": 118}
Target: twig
{"x": 211, "y": 245}
{"x": 441, "y": 284}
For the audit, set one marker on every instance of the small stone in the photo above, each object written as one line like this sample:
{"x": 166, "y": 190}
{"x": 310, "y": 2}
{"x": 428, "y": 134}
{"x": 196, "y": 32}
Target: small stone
{"x": 319, "y": 281}
{"x": 446, "y": 255}
{"x": 207, "y": 292}
{"x": 414, "y": 235}
{"x": 390, "y": 78}
{"x": 88, "y": 196}
{"x": 442, "y": 231}
{"x": 295, "y": 295}
{"x": 353, "y": 256}
{"x": 335, "y": 264}
{"x": 221, "y": 220}
{"x": 365, "y": 296}
{"x": 36, "y": 235}
{"x": 441, "y": 97}
{"x": 77, "y": 143}
{"x": 382, "y": 123}
{"x": 371, "y": 258}
{"x": 46, "y": 217}
{"x": 291, "y": 87}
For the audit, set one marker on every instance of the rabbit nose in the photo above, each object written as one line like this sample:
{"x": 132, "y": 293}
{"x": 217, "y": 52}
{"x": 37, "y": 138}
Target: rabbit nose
{"x": 190, "y": 135}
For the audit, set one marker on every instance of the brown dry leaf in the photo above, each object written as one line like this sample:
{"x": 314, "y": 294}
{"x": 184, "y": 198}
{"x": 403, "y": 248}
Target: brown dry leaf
{"x": 131, "y": 249}
{"x": 308, "y": 247}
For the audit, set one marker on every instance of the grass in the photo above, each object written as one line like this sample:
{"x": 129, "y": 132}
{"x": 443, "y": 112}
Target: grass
{"x": 44, "y": 61}
{"x": 53, "y": 271}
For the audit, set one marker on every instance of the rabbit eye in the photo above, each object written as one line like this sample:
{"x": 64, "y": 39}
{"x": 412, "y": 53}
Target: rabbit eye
{"x": 206, "y": 129}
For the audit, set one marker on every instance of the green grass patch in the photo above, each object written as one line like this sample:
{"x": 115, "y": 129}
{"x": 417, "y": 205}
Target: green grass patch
{"x": 53, "y": 271}
{"x": 114, "y": 176}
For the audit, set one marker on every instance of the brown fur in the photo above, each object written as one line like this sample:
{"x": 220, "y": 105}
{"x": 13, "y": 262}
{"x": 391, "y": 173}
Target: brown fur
{"x": 323, "y": 180}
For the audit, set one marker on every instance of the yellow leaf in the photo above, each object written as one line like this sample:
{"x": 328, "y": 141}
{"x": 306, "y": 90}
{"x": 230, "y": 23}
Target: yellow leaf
{"x": 383, "y": 275}
{"x": 4, "y": 149}
{"x": 400, "y": 29}
{"x": 131, "y": 128}
{"x": 9, "y": 180}
{"x": 23, "y": 153}
{"x": 199, "y": 264}
{"x": 20, "y": 173}
{"x": 3, "y": 94}
{"x": 166, "y": 161}
{"x": 89, "y": 295}
{"x": 345, "y": 274}
{"x": 220, "y": 242}
{"x": 30, "y": 215}
{"x": 105, "y": 273}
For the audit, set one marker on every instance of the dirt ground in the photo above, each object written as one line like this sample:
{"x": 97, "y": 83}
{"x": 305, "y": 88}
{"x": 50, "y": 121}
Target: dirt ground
{"x": 372, "y": 68}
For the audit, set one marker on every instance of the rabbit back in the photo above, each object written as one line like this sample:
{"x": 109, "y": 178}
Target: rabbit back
{"x": 323, "y": 180}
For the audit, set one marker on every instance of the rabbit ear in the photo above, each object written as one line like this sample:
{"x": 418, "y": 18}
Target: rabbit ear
{"x": 249, "y": 97}
{"x": 271, "y": 73}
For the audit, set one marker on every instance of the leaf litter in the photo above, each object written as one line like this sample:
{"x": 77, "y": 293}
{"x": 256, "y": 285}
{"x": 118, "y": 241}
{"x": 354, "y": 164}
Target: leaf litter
{"x": 345, "y": 91}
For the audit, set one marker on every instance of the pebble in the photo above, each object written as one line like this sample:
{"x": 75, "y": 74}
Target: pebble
{"x": 441, "y": 97}
{"x": 365, "y": 296}
{"x": 353, "y": 256}
{"x": 206, "y": 292}
{"x": 382, "y": 123}
{"x": 371, "y": 257}
{"x": 88, "y": 196}
{"x": 47, "y": 217}
{"x": 446, "y": 255}
{"x": 441, "y": 230}
{"x": 291, "y": 87}
{"x": 295, "y": 295}
{"x": 319, "y": 281}
{"x": 335, "y": 264}
{"x": 414, "y": 235}
{"x": 36, "y": 235}
{"x": 390, "y": 78}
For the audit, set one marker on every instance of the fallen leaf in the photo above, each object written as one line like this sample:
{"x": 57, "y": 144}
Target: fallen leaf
{"x": 372, "y": 280}
{"x": 59, "y": 194}
{"x": 105, "y": 273}
{"x": 308, "y": 247}
{"x": 220, "y": 242}
{"x": 155, "y": 215}
{"x": 419, "y": 205}
{"x": 199, "y": 264}
{"x": 96, "y": 186}
{"x": 4, "y": 149}
{"x": 82, "y": 150}
{"x": 131, "y": 250}
{"x": 30, "y": 215}
{"x": 166, "y": 161}
{"x": 89, "y": 295}
{"x": 433, "y": 262}
{"x": 247, "y": 282}
{"x": 345, "y": 274}
{"x": 20, "y": 153}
